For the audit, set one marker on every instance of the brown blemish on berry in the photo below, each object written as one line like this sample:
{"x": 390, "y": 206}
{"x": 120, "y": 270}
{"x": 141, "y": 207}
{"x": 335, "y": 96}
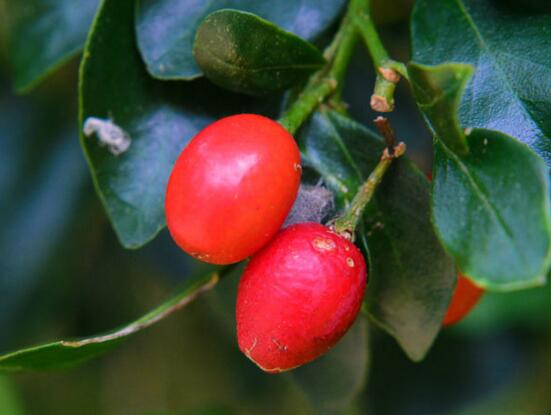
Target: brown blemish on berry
{"x": 297, "y": 167}
{"x": 279, "y": 345}
{"x": 324, "y": 244}
{"x": 250, "y": 349}
{"x": 346, "y": 234}
{"x": 201, "y": 257}
{"x": 350, "y": 262}
{"x": 274, "y": 369}
{"x": 265, "y": 369}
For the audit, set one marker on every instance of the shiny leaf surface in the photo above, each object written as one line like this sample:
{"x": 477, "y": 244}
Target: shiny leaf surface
{"x": 272, "y": 60}
{"x": 511, "y": 51}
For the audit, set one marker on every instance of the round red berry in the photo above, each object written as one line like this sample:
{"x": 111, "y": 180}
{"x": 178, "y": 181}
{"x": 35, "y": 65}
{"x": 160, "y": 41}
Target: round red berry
{"x": 298, "y": 296}
{"x": 232, "y": 187}
{"x": 465, "y": 297}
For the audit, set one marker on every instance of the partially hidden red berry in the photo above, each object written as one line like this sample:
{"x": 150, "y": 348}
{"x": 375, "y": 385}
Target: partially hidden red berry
{"x": 298, "y": 296}
{"x": 232, "y": 187}
{"x": 465, "y": 297}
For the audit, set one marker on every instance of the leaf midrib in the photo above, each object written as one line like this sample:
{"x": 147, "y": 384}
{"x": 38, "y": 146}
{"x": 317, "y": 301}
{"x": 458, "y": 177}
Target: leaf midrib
{"x": 478, "y": 191}
{"x": 499, "y": 70}
{"x": 245, "y": 69}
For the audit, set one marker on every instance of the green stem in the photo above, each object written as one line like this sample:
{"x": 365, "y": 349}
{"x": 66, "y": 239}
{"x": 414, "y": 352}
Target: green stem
{"x": 330, "y": 79}
{"x": 388, "y": 70}
{"x": 347, "y": 43}
{"x": 370, "y": 36}
{"x": 313, "y": 94}
{"x": 346, "y": 224}
{"x": 382, "y": 99}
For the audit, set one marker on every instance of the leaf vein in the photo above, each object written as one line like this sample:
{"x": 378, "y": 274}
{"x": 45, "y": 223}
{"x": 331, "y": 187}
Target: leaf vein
{"x": 495, "y": 64}
{"x": 485, "y": 201}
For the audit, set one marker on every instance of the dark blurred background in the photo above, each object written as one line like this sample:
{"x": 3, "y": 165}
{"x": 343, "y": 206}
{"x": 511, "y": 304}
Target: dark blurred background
{"x": 64, "y": 274}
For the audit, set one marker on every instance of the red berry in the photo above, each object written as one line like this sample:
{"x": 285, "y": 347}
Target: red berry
{"x": 464, "y": 298}
{"x": 232, "y": 187}
{"x": 298, "y": 296}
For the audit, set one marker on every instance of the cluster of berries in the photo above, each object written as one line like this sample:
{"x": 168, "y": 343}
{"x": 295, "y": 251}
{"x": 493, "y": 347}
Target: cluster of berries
{"x": 227, "y": 198}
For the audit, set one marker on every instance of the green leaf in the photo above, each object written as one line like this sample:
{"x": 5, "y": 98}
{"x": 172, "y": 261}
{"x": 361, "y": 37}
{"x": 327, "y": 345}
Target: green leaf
{"x": 331, "y": 382}
{"x": 166, "y": 28}
{"x": 491, "y": 209}
{"x": 411, "y": 278}
{"x": 44, "y": 34}
{"x": 512, "y": 55}
{"x": 438, "y": 91}
{"x": 490, "y": 205}
{"x": 68, "y": 353}
{"x": 160, "y": 118}
{"x": 272, "y": 60}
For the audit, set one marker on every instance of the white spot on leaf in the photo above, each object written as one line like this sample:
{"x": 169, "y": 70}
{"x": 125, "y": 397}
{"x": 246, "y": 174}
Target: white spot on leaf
{"x": 109, "y": 134}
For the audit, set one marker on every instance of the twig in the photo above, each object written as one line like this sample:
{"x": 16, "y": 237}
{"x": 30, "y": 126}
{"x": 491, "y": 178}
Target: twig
{"x": 346, "y": 224}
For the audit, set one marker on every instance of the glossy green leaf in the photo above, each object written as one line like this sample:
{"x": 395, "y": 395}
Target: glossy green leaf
{"x": 512, "y": 55}
{"x": 490, "y": 205}
{"x": 491, "y": 209}
{"x": 331, "y": 382}
{"x": 166, "y": 28}
{"x": 159, "y": 118}
{"x": 271, "y": 60}
{"x": 438, "y": 91}
{"x": 67, "y": 353}
{"x": 44, "y": 34}
{"x": 410, "y": 276}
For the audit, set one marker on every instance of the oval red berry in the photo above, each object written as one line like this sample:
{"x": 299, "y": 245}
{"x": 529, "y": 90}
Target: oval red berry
{"x": 465, "y": 297}
{"x": 232, "y": 187}
{"x": 298, "y": 297}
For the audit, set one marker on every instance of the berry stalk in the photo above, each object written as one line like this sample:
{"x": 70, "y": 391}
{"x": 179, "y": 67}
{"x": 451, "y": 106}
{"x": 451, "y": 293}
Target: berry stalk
{"x": 388, "y": 70}
{"x": 345, "y": 225}
{"x": 330, "y": 79}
